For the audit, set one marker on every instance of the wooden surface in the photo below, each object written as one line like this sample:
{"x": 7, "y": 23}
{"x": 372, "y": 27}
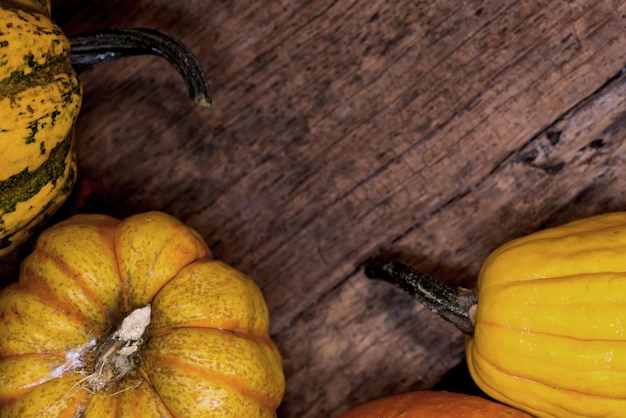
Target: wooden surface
{"x": 429, "y": 131}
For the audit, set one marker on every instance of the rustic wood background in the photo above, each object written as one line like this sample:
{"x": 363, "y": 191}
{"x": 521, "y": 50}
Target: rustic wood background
{"x": 431, "y": 131}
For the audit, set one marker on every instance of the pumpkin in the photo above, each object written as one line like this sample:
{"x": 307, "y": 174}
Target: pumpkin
{"x": 433, "y": 404}
{"x": 133, "y": 318}
{"x": 40, "y": 98}
{"x": 547, "y": 325}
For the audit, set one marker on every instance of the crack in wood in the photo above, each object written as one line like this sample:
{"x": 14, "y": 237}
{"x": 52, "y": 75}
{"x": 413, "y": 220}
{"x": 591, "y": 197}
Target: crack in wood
{"x": 551, "y": 132}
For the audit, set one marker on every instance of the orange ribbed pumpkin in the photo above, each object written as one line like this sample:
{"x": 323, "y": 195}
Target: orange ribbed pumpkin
{"x": 133, "y": 318}
{"x": 433, "y": 404}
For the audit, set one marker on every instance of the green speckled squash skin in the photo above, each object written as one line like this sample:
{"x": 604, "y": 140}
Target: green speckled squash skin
{"x": 40, "y": 97}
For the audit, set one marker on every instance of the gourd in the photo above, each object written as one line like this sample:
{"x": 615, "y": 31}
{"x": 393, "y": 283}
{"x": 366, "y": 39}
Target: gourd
{"x": 546, "y": 325}
{"x": 133, "y": 318}
{"x": 40, "y": 98}
{"x": 433, "y": 404}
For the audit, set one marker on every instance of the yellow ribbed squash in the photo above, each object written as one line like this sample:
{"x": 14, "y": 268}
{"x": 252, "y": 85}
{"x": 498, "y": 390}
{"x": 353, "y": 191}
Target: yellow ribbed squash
{"x": 40, "y": 98}
{"x": 547, "y": 323}
{"x": 133, "y": 318}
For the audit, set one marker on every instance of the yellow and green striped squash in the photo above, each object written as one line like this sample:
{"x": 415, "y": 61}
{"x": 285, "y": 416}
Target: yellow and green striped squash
{"x": 40, "y": 97}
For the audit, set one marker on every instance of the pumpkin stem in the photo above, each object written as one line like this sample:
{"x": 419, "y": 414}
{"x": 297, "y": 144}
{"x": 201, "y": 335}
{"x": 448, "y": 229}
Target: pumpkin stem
{"x": 457, "y": 306}
{"x": 93, "y": 48}
{"x": 115, "y": 358}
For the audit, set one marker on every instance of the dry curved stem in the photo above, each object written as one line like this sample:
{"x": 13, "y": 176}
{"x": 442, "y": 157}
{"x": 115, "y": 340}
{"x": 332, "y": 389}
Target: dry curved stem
{"x": 457, "y": 306}
{"x": 93, "y": 48}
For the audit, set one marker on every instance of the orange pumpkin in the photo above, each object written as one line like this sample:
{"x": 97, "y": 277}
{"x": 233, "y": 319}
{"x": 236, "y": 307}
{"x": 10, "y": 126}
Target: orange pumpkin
{"x": 433, "y": 404}
{"x": 133, "y": 318}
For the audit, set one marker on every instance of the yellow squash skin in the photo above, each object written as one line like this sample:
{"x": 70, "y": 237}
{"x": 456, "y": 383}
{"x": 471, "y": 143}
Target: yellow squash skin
{"x": 40, "y": 97}
{"x": 550, "y": 325}
{"x": 206, "y": 351}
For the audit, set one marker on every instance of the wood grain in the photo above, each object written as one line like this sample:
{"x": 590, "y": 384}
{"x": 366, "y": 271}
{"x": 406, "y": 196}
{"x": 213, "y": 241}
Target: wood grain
{"x": 430, "y": 131}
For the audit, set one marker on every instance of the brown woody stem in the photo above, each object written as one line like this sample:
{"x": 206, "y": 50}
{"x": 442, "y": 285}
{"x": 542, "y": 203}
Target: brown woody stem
{"x": 454, "y": 305}
{"x": 93, "y": 48}
{"x": 117, "y": 355}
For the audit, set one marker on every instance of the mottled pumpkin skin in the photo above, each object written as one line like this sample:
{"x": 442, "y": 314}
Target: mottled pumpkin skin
{"x": 207, "y": 352}
{"x": 40, "y": 97}
{"x": 433, "y": 404}
{"x": 550, "y": 332}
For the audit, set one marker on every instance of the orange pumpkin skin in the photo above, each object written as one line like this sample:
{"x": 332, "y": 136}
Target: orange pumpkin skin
{"x": 433, "y": 404}
{"x": 205, "y": 351}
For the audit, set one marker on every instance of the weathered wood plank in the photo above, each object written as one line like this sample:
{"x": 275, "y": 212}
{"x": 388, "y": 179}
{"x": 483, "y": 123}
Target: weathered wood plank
{"x": 331, "y": 139}
{"x": 378, "y": 339}
{"x": 343, "y": 129}
{"x": 568, "y": 171}
{"x": 303, "y": 145}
